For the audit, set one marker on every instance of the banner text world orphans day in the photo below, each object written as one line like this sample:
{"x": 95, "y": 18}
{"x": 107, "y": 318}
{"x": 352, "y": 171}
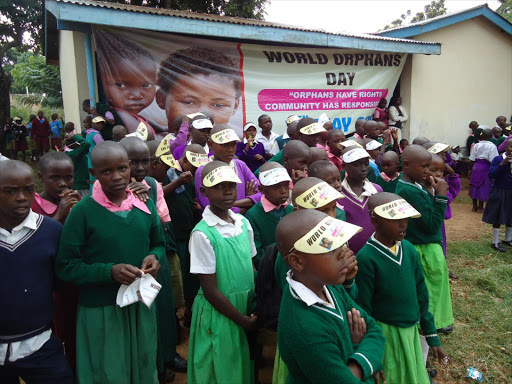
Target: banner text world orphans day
{"x": 336, "y": 96}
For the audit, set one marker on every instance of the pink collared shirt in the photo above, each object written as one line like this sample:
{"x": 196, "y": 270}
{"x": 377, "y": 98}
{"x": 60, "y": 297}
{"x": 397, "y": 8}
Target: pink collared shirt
{"x": 131, "y": 201}
{"x": 161, "y": 205}
{"x": 325, "y": 148}
{"x": 268, "y": 206}
{"x": 387, "y": 178}
{"x": 43, "y": 207}
{"x": 335, "y": 160}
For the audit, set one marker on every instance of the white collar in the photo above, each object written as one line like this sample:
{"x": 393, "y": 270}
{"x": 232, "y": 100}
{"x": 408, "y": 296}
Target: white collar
{"x": 368, "y": 188}
{"x": 212, "y": 219}
{"x": 307, "y": 295}
{"x": 30, "y": 222}
{"x": 260, "y": 136}
{"x": 285, "y": 136}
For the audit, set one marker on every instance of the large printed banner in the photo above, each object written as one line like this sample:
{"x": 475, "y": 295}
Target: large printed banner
{"x": 157, "y": 77}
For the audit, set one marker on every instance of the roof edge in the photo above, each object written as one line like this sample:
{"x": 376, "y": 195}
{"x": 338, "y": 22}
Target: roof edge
{"x": 447, "y": 20}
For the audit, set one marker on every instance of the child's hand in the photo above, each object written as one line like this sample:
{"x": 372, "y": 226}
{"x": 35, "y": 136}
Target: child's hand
{"x": 258, "y": 157}
{"x": 349, "y": 256}
{"x": 251, "y": 188}
{"x": 448, "y": 170}
{"x": 379, "y": 377}
{"x": 506, "y": 160}
{"x": 250, "y": 323}
{"x": 439, "y": 185}
{"x": 151, "y": 265}
{"x": 68, "y": 198}
{"x": 357, "y": 326}
{"x": 140, "y": 190}
{"x": 186, "y": 178}
{"x": 125, "y": 273}
{"x": 440, "y": 355}
{"x": 394, "y": 134}
{"x": 297, "y": 175}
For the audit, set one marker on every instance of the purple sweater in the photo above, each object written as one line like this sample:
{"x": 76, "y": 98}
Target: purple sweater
{"x": 358, "y": 214}
{"x": 243, "y": 172}
{"x": 502, "y": 146}
{"x": 248, "y": 157}
{"x": 454, "y": 187}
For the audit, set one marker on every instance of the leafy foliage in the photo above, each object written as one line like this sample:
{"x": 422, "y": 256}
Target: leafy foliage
{"x": 434, "y": 9}
{"x": 250, "y": 9}
{"x": 505, "y": 9}
{"x": 32, "y": 72}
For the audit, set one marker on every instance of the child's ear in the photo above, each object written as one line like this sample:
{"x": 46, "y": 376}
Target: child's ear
{"x": 295, "y": 261}
{"x": 160, "y": 98}
{"x": 92, "y": 171}
{"x": 203, "y": 191}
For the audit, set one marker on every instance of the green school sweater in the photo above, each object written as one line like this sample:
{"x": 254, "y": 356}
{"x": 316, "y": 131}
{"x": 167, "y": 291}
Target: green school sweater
{"x": 388, "y": 186}
{"x": 427, "y": 228}
{"x": 496, "y": 141}
{"x": 278, "y": 158}
{"x": 314, "y": 341}
{"x": 79, "y": 158}
{"x": 94, "y": 239}
{"x": 392, "y": 287}
{"x": 264, "y": 225}
{"x": 181, "y": 208}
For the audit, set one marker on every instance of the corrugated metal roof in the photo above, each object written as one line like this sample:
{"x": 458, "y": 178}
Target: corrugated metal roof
{"x": 226, "y": 19}
{"x": 434, "y": 19}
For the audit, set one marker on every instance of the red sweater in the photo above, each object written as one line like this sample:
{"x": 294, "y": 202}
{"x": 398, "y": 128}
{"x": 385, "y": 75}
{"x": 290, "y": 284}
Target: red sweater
{"x": 40, "y": 129}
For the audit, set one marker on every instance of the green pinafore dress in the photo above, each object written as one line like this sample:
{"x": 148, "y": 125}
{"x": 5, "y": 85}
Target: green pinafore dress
{"x": 219, "y": 351}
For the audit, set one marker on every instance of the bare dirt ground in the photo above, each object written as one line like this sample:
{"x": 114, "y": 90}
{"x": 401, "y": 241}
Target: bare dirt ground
{"x": 465, "y": 224}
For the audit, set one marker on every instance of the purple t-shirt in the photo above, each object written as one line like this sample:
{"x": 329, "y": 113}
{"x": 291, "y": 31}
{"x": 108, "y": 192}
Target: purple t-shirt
{"x": 243, "y": 172}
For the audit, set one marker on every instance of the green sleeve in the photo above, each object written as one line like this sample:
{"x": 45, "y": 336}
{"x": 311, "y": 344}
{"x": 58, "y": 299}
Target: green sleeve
{"x": 366, "y": 282}
{"x": 370, "y": 351}
{"x": 320, "y": 363}
{"x": 81, "y": 151}
{"x": 280, "y": 271}
{"x": 69, "y": 264}
{"x": 341, "y": 214}
{"x": 156, "y": 235}
{"x": 432, "y": 209}
{"x": 350, "y": 287}
{"x": 426, "y": 318}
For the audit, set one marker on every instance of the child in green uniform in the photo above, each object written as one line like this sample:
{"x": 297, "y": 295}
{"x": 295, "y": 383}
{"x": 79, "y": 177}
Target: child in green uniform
{"x": 77, "y": 148}
{"x": 138, "y": 155}
{"x": 425, "y": 232}
{"x": 109, "y": 239}
{"x": 316, "y": 194}
{"x": 388, "y": 178}
{"x": 264, "y": 215}
{"x": 221, "y": 252}
{"x": 392, "y": 290}
{"x": 323, "y": 336}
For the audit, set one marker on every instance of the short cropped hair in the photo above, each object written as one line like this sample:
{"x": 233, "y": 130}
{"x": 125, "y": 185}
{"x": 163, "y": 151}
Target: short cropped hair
{"x": 47, "y": 158}
{"x": 197, "y": 61}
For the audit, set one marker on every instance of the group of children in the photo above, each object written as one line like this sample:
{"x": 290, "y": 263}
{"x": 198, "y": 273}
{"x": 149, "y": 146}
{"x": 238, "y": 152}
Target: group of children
{"x": 491, "y": 179}
{"x": 348, "y": 234}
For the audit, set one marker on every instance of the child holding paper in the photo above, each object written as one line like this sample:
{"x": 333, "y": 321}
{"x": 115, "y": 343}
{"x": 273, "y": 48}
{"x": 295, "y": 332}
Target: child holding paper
{"x": 114, "y": 344}
{"x": 221, "y": 252}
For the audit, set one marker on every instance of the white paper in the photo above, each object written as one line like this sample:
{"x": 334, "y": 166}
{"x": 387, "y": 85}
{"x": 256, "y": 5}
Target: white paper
{"x": 144, "y": 289}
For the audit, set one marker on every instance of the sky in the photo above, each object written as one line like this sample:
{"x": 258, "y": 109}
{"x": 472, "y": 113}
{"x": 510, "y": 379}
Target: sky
{"x": 356, "y": 16}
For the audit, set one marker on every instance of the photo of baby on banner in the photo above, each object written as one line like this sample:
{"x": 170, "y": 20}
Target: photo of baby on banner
{"x": 143, "y": 82}
{"x": 156, "y": 78}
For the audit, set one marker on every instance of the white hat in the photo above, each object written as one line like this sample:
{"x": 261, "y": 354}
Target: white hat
{"x": 354, "y": 155}
{"x": 202, "y": 124}
{"x": 249, "y": 125}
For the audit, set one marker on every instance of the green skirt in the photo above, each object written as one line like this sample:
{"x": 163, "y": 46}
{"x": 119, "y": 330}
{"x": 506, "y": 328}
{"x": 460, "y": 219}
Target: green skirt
{"x": 403, "y": 359}
{"x": 165, "y": 318}
{"x": 116, "y": 345}
{"x": 218, "y": 349}
{"x": 438, "y": 283}
{"x": 280, "y": 373}
{"x": 177, "y": 282}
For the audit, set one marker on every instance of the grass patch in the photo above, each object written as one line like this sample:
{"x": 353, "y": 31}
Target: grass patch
{"x": 482, "y": 305}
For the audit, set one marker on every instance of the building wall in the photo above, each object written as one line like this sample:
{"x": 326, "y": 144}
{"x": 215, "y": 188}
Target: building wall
{"x": 73, "y": 71}
{"x": 470, "y": 80}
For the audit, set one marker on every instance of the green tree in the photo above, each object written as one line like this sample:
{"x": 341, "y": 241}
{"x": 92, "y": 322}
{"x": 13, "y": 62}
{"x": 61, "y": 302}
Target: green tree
{"x": 250, "y": 9}
{"x": 505, "y": 9}
{"x": 20, "y": 29}
{"x": 33, "y": 73}
{"x": 434, "y": 9}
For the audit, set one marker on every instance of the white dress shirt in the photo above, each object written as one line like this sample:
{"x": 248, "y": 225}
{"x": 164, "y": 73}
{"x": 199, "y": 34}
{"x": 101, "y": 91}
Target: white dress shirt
{"x": 202, "y": 255}
{"x": 269, "y": 144}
